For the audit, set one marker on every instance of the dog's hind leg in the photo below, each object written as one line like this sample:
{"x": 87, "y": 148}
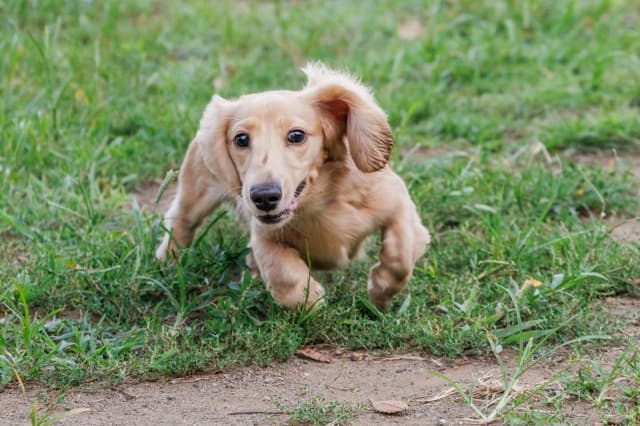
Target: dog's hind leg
{"x": 404, "y": 240}
{"x": 199, "y": 192}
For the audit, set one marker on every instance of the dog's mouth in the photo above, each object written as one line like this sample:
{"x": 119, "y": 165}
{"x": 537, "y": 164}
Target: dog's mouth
{"x": 271, "y": 219}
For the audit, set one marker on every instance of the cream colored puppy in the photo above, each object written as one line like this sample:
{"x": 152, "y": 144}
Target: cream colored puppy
{"x": 308, "y": 172}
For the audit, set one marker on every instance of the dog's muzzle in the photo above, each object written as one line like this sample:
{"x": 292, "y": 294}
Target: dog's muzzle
{"x": 271, "y": 219}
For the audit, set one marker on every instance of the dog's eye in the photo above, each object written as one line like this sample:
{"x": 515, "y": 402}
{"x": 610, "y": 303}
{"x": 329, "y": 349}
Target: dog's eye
{"x": 296, "y": 136}
{"x": 241, "y": 140}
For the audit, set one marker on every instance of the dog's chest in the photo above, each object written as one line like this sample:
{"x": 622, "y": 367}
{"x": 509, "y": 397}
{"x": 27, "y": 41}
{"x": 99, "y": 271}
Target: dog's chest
{"x": 325, "y": 250}
{"x": 330, "y": 238}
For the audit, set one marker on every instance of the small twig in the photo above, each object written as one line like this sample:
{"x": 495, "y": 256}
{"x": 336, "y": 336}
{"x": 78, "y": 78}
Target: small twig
{"x": 401, "y": 358}
{"x": 436, "y": 362}
{"x": 353, "y": 388}
{"x": 192, "y": 380}
{"x": 253, "y": 412}
{"x": 470, "y": 421}
{"x": 442, "y": 395}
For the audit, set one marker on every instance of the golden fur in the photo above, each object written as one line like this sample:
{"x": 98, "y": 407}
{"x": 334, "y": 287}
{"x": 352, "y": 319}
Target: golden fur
{"x": 349, "y": 191}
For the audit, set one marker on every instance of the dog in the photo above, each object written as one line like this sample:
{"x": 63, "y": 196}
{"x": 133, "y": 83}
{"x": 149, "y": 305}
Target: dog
{"x": 308, "y": 172}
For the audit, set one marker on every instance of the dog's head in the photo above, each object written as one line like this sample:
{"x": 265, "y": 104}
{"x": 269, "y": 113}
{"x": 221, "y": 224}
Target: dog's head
{"x": 268, "y": 147}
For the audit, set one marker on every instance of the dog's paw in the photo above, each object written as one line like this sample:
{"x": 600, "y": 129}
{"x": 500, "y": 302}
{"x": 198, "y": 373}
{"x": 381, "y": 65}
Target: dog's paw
{"x": 381, "y": 302}
{"x": 314, "y": 299}
{"x": 303, "y": 296}
{"x": 252, "y": 265}
{"x": 165, "y": 247}
{"x": 317, "y": 303}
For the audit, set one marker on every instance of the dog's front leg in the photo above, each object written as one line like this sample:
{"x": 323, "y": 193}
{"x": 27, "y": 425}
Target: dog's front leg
{"x": 285, "y": 274}
{"x": 404, "y": 240}
{"x": 199, "y": 192}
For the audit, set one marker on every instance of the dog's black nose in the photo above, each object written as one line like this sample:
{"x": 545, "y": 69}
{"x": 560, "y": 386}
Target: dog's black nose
{"x": 266, "y": 196}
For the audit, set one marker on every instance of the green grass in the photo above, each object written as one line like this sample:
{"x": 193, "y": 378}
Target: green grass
{"x": 98, "y": 97}
{"x": 318, "y": 411}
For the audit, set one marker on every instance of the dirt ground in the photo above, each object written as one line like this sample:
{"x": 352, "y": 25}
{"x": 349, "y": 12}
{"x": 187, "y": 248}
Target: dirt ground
{"x": 627, "y": 230}
{"x": 147, "y": 193}
{"x": 247, "y": 396}
{"x": 266, "y": 395}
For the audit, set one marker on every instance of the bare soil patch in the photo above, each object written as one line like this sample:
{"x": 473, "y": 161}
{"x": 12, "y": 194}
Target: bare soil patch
{"x": 147, "y": 192}
{"x": 627, "y": 230}
{"x": 420, "y": 154}
{"x": 260, "y": 396}
{"x": 611, "y": 161}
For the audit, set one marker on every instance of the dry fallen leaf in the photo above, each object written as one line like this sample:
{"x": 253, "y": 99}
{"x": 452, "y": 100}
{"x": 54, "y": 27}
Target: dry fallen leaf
{"x": 358, "y": 356}
{"x": 73, "y": 265}
{"x": 410, "y": 29}
{"x": 401, "y": 358}
{"x": 314, "y": 355}
{"x": 389, "y": 406}
{"x": 80, "y": 97}
{"x": 534, "y": 282}
{"x": 531, "y": 282}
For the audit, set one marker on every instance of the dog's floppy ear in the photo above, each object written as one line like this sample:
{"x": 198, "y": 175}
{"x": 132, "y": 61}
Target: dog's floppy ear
{"x": 212, "y": 137}
{"x": 349, "y": 108}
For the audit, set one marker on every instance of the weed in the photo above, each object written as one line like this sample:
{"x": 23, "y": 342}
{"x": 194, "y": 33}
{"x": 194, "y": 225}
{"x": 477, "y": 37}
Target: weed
{"x": 318, "y": 411}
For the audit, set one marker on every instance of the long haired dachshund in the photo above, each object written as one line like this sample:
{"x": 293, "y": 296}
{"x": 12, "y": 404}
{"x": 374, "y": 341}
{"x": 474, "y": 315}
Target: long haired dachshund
{"x": 308, "y": 172}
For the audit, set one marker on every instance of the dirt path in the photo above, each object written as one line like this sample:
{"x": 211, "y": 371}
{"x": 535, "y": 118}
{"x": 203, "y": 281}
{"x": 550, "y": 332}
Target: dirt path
{"x": 246, "y": 396}
{"x": 267, "y": 395}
